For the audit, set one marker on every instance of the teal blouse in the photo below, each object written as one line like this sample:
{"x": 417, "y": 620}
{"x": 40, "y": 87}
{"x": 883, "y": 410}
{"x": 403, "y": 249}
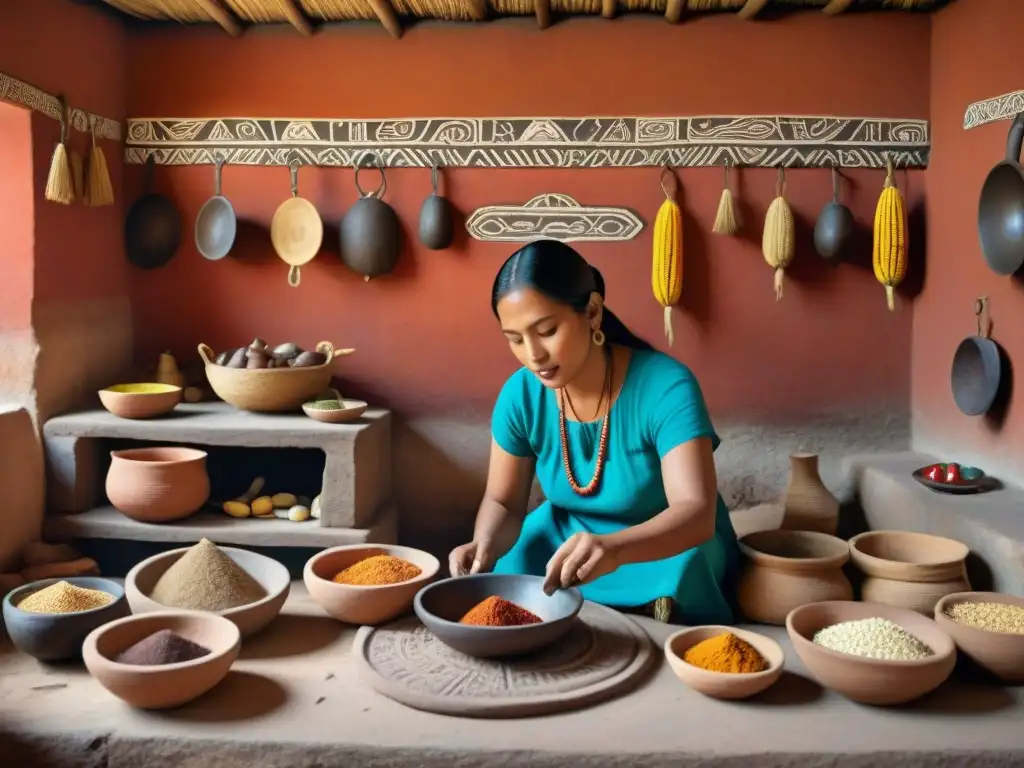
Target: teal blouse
{"x": 660, "y": 406}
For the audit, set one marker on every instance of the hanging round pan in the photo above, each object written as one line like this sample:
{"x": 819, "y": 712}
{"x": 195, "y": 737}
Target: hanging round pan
{"x": 1001, "y": 208}
{"x": 152, "y": 227}
{"x": 297, "y": 231}
{"x": 977, "y": 367}
{"x": 216, "y": 223}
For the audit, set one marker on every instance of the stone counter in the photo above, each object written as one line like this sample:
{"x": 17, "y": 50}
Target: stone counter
{"x": 293, "y": 700}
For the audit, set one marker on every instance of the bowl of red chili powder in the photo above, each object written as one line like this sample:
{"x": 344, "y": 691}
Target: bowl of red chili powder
{"x": 368, "y": 583}
{"x": 489, "y": 614}
{"x": 162, "y": 659}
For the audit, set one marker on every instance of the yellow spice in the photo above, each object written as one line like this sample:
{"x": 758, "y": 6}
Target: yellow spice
{"x": 64, "y": 597}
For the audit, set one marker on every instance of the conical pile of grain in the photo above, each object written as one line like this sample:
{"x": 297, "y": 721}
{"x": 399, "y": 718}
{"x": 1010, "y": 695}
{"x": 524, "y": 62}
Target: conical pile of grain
{"x": 206, "y": 579}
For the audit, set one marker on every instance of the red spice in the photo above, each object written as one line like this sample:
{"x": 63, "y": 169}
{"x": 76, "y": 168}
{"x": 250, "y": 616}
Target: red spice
{"x": 498, "y": 612}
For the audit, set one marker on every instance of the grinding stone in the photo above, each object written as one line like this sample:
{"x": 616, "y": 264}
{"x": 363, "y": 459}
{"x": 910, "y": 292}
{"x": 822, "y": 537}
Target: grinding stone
{"x": 604, "y": 655}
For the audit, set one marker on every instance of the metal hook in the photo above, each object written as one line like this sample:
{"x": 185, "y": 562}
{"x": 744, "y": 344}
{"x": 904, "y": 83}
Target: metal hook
{"x": 293, "y": 167}
{"x": 780, "y": 182}
{"x": 434, "y": 173}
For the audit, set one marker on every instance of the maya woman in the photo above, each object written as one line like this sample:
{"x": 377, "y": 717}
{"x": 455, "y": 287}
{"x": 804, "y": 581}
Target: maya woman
{"x": 621, "y": 443}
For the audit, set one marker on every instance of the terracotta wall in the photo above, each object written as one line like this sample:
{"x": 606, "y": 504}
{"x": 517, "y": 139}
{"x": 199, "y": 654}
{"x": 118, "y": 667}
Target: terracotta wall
{"x": 428, "y": 346}
{"x": 975, "y": 56}
{"x": 79, "y": 333}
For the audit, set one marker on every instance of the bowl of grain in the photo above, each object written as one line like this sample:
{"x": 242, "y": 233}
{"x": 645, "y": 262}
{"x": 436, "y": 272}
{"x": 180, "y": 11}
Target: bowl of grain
{"x": 243, "y": 586}
{"x": 724, "y": 662}
{"x": 869, "y": 652}
{"x": 49, "y": 619}
{"x": 988, "y": 627}
{"x": 163, "y": 659}
{"x": 368, "y": 583}
{"x": 145, "y": 400}
{"x": 489, "y": 614}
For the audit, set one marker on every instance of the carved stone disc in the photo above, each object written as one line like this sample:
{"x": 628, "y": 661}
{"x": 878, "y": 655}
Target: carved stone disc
{"x": 604, "y": 655}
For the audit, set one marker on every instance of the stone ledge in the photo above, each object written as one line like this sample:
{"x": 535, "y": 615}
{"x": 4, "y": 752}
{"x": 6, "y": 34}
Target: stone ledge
{"x": 991, "y": 524}
{"x": 294, "y": 700}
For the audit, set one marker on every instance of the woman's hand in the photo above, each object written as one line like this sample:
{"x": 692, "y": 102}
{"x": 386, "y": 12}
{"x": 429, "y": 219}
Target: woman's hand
{"x": 582, "y": 558}
{"x": 474, "y": 557}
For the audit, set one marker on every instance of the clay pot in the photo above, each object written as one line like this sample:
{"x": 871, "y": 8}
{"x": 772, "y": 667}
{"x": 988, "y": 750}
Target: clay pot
{"x": 158, "y": 485}
{"x": 787, "y": 569}
{"x": 809, "y": 505}
{"x": 999, "y": 653}
{"x": 909, "y": 570}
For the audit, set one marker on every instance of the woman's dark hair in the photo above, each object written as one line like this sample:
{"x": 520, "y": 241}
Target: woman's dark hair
{"x": 558, "y": 272}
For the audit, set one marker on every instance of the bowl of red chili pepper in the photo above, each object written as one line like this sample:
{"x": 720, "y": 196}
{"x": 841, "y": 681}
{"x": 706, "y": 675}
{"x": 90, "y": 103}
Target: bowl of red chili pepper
{"x": 489, "y": 614}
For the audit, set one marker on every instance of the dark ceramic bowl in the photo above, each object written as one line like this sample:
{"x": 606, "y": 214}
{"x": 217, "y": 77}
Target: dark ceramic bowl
{"x": 59, "y": 636}
{"x": 440, "y": 606}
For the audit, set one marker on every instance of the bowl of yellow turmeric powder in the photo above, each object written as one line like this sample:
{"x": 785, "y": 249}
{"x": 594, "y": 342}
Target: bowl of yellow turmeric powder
{"x": 50, "y": 619}
{"x": 368, "y": 583}
{"x": 724, "y": 662}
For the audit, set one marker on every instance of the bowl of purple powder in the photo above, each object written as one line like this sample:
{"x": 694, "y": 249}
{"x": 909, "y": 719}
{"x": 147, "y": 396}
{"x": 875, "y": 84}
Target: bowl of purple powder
{"x": 162, "y": 659}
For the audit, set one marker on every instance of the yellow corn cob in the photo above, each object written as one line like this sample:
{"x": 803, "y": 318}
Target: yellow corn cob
{"x": 777, "y": 242}
{"x": 667, "y": 264}
{"x": 889, "y": 255}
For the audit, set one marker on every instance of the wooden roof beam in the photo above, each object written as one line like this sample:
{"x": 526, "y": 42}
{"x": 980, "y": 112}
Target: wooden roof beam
{"x": 609, "y": 8}
{"x": 219, "y": 14}
{"x": 477, "y": 9}
{"x": 387, "y": 16}
{"x": 674, "y": 11}
{"x": 296, "y": 18}
{"x": 751, "y": 9}
{"x": 542, "y": 9}
{"x": 836, "y": 7}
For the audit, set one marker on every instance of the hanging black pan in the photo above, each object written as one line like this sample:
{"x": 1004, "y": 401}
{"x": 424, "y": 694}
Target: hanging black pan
{"x": 1001, "y": 208}
{"x": 152, "y": 228}
{"x": 977, "y": 367}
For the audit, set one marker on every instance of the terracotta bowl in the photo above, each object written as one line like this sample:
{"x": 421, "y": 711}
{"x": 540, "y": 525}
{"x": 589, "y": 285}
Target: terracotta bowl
{"x": 59, "y": 636}
{"x": 166, "y": 685}
{"x": 140, "y": 401}
{"x": 158, "y": 485}
{"x": 724, "y": 685}
{"x": 350, "y": 411}
{"x": 871, "y": 681}
{"x": 908, "y": 569}
{"x": 249, "y": 619}
{"x": 999, "y": 653}
{"x": 785, "y": 569}
{"x": 365, "y": 604}
{"x": 441, "y": 605}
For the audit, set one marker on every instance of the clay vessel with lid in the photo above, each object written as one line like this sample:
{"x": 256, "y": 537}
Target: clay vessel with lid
{"x": 158, "y": 485}
{"x": 787, "y": 569}
{"x": 809, "y": 505}
{"x": 909, "y": 570}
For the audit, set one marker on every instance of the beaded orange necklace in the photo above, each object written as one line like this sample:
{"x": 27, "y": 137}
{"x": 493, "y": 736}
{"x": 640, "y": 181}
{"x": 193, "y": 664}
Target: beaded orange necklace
{"x": 602, "y": 447}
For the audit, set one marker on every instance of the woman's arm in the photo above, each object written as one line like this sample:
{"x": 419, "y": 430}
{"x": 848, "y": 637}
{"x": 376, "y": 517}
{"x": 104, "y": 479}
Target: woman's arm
{"x": 500, "y": 517}
{"x": 691, "y": 487}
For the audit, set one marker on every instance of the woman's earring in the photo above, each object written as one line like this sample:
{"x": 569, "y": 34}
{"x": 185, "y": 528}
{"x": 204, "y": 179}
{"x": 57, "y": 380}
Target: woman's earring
{"x": 598, "y": 337}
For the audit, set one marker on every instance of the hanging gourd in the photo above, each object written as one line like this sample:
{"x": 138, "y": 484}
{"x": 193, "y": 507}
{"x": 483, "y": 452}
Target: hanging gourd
{"x": 778, "y": 243}
{"x": 667, "y": 262}
{"x": 889, "y": 255}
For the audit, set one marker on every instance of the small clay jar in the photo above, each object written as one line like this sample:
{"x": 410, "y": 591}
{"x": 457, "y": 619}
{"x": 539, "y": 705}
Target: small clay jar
{"x": 787, "y": 569}
{"x": 158, "y": 485}
{"x": 909, "y": 570}
{"x": 809, "y": 505}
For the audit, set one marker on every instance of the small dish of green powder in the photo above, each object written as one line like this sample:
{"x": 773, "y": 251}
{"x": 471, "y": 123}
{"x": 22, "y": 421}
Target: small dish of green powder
{"x": 64, "y": 597}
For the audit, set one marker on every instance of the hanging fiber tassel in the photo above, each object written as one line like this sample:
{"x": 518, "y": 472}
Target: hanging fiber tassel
{"x": 60, "y": 185}
{"x": 725, "y": 219}
{"x": 99, "y": 190}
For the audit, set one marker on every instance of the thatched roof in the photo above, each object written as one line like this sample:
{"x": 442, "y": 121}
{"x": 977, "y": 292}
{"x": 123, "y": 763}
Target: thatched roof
{"x": 306, "y": 15}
